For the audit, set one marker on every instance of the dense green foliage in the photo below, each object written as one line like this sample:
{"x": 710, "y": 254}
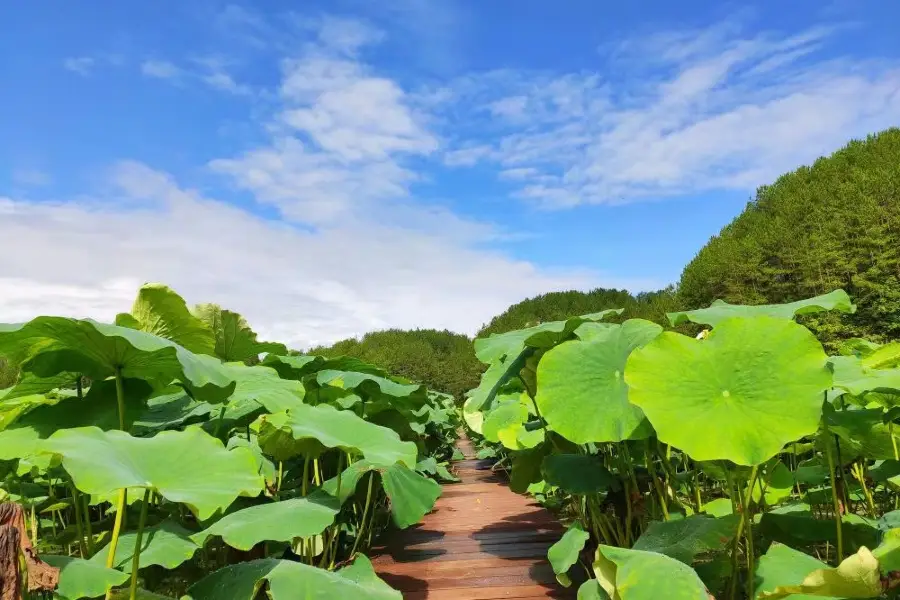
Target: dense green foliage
{"x": 441, "y": 360}
{"x": 173, "y": 447}
{"x": 554, "y": 306}
{"x": 833, "y": 224}
{"x": 742, "y": 463}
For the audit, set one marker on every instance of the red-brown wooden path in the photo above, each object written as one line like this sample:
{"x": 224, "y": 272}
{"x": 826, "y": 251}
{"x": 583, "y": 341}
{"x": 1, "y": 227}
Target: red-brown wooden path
{"x": 481, "y": 542}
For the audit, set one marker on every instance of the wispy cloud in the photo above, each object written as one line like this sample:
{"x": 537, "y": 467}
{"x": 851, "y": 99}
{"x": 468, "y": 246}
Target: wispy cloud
{"x": 340, "y": 135}
{"x": 83, "y": 65}
{"x": 161, "y": 69}
{"x": 673, "y": 113}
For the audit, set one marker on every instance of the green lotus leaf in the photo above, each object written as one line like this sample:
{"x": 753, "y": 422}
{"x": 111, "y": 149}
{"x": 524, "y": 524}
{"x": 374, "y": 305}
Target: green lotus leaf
{"x": 372, "y": 385}
{"x": 581, "y": 387}
{"x": 22, "y": 438}
{"x": 412, "y": 495}
{"x": 780, "y": 568}
{"x": 851, "y": 374}
{"x": 294, "y": 366}
{"x": 686, "y": 538}
{"x": 140, "y": 594}
{"x": 262, "y": 386}
{"x": 171, "y": 409}
{"x": 795, "y": 524}
{"x": 591, "y": 590}
{"x": 638, "y": 575}
{"x": 526, "y": 468}
{"x": 47, "y": 346}
{"x": 273, "y": 522}
{"x": 265, "y": 466}
{"x": 187, "y": 466}
{"x": 167, "y": 544}
{"x": 30, "y": 384}
{"x": 720, "y": 310}
{"x": 235, "y": 340}
{"x": 862, "y": 433}
{"x": 888, "y": 551}
{"x": 881, "y": 357}
{"x": 564, "y": 553}
{"x": 309, "y": 429}
{"x": 160, "y": 311}
{"x": 83, "y": 578}
{"x": 546, "y": 335}
{"x": 290, "y": 580}
{"x": 507, "y": 419}
{"x": 578, "y": 473}
{"x": 752, "y": 386}
{"x": 719, "y": 507}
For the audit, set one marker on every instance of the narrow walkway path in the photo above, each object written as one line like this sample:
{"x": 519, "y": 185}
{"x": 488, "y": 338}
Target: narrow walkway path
{"x": 481, "y": 542}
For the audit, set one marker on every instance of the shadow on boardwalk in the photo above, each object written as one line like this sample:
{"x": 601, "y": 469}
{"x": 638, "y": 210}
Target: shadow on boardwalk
{"x": 482, "y": 542}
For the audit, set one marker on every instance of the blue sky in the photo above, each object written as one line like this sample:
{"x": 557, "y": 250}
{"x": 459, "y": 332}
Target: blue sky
{"x": 330, "y": 168}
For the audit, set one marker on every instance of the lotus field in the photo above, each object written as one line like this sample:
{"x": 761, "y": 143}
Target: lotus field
{"x": 740, "y": 462}
{"x": 172, "y": 454}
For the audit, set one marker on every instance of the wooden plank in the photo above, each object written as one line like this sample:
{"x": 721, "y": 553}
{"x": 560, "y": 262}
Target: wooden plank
{"x": 481, "y": 542}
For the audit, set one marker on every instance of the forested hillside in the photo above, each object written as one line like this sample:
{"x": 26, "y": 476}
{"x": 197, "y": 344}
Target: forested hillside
{"x": 560, "y": 305}
{"x": 835, "y": 224}
{"x": 442, "y": 360}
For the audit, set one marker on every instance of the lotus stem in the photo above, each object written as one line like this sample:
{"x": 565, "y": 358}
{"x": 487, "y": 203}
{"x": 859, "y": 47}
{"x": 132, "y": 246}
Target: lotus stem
{"x": 79, "y": 528}
{"x": 362, "y": 526}
{"x": 117, "y": 529}
{"x": 136, "y": 559}
{"x": 893, "y": 440}
{"x": 656, "y": 484}
{"x": 120, "y": 398}
{"x": 305, "y": 476}
{"x": 87, "y": 525}
{"x": 834, "y": 498}
{"x": 745, "y": 509}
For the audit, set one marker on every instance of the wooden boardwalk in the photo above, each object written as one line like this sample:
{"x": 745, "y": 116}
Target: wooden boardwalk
{"x": 481, "y": 542}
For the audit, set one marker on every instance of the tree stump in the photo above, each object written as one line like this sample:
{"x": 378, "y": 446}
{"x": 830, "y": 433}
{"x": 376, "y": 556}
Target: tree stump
{"x": 13, "y": 539}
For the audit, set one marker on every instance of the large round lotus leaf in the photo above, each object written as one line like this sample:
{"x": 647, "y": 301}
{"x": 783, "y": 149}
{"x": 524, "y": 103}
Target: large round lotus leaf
{"x": 273, "y": 522}
{"x": 188, "y": 466}
{"x": 29, "y": 384}
{"x": 581, "y": 387}
{"x": 545, "y": 335}
{"x": 721, "y": 310}
{"x": 171, "y": 409}
{"x": 686, "y": 538}
{"x": 308, "y": 429}
{"x": 753, "y": 385}
{"x": 638, "y": 575}
{"x": 852, "y": 375}
{"x": 47, "y": 346}
{"x": 162, "y": 312}
{"x": 412, "y": 495}
{"x": 368, "y": 384}
{"x": 261, "y": 386}
{"x": 578, "y": 473}
{"x": 509, "y": 415}
{"x": 235, "y": 340}
{"x": 289, "y": 580}
{"x": 294, "y": 367}
{"x": 167, "y": 545}
{"x": 83, "y": 578}
{"x": 781, "y": 571}
{"x": 783, "y": 566}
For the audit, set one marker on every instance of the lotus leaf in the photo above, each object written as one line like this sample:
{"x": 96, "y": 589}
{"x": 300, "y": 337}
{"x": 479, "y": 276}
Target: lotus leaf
{"x": 30, "y": 384}
{"x": 160, "y": 311}
{"x": 754, "y": 385}
{"x": 856, "y": 577}
{"x": 412, "y": 495}
{"x": 545, "y": 335}
{"x": 686, "y": 538}
{"x": 167, "y": 544}
{"x": 564, "y": 553}
{"x": 274, "y": 522}
{"x": 851, "y": 374}
{"x": 591, "y": 590}
{"x": 578, "y": 473}
{"x": 235, "y": 340}
{"x": 581, "y": 387}
{"x": 83, "y": 578}
{"x": 290, "y": 580}
{"x": 309, "y": 429}
{"x": 636, "y": 575}
{"x": 262, "y": 387}
{"x": 210, "y": 479}
{"x": 47, "y": 346}
{"x": 720, "y": 310}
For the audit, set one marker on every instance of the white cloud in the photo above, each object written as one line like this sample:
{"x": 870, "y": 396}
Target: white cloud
{"x": 671, "y": 114}
{"x": 79, "y": 64}
{"x": 340, "y": 138}
{"x": 303, "y": 287}
{"x": 160, "y": 69}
